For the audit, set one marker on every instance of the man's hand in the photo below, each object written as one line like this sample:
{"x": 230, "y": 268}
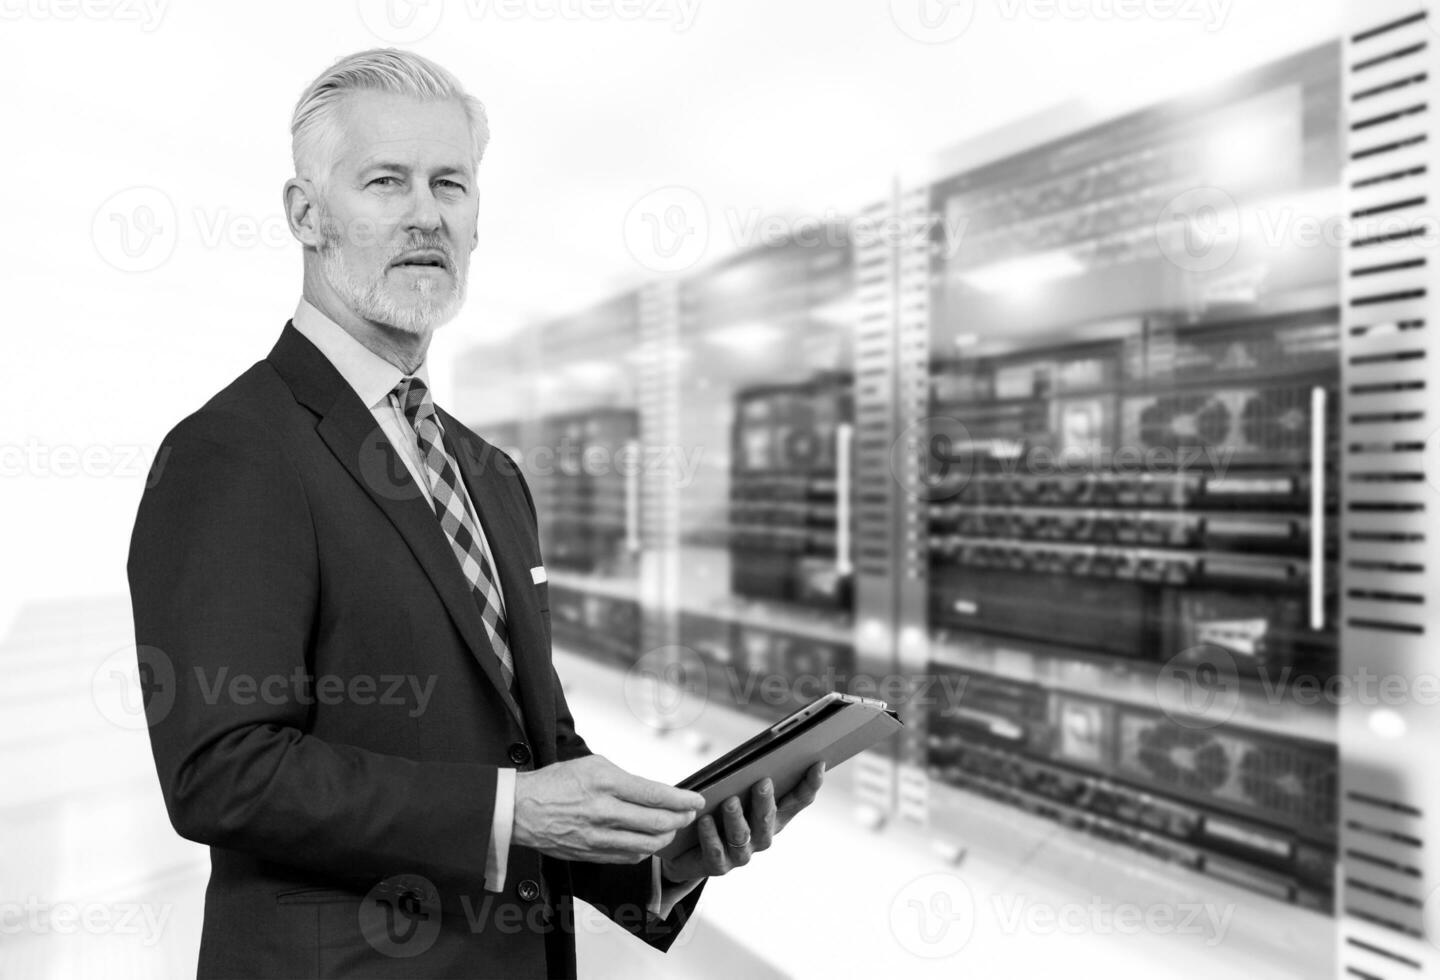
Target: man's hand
{"x": 592, "y": 810}
{"x": 732, "y": 844}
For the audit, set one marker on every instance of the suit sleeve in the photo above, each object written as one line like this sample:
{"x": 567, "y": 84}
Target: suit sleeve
{"x": 224, "y": 581}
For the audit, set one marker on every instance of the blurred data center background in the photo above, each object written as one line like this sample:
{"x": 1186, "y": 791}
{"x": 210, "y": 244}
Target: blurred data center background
{"x": 1055, "y": 372}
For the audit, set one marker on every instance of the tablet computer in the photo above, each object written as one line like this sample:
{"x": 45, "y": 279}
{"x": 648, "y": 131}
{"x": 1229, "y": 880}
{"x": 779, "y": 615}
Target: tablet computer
{"x": 830, "y": 729}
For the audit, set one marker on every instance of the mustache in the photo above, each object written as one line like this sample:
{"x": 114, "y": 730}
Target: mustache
{"x": 435, "y": 242}
{"x": 332, "y": 237}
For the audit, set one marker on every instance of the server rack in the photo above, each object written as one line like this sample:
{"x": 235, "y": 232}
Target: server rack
{"x": 1389, "y": 792}
{"x": 1116, "y": 413}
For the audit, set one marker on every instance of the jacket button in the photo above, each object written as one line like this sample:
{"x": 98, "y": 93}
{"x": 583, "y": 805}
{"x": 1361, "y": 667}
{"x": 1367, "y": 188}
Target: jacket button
{"x": 528, "y": 890}
{"x": 519, "y": 753}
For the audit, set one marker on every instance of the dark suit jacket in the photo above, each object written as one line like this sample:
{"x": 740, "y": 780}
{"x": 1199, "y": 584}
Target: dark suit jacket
{"x": 294, "y": 597}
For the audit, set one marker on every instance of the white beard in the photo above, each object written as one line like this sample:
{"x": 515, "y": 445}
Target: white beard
{"x": 426, "y": 306}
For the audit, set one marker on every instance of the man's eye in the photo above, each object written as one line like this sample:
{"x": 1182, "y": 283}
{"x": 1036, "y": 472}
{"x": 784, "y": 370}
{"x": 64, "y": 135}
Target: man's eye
{"x": 387, "y": 181}
{"x": 452, "y": 185}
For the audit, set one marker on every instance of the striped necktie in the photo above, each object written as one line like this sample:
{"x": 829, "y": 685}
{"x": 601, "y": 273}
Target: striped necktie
{"x": 414, "y": 400}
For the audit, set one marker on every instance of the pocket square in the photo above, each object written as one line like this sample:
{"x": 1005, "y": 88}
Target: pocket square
{"x": 537, "y": 574}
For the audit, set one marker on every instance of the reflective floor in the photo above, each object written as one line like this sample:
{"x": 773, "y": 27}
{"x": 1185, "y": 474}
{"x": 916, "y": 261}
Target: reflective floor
{"x": 97, "y": 884}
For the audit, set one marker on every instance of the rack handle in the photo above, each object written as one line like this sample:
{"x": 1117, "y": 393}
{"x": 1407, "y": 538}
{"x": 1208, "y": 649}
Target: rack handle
{"x": 1317, "y": 507}
{"x": 844, "y": 437}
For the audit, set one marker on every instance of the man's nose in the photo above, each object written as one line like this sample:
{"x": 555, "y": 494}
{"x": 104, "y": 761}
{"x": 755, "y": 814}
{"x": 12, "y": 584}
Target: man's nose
{"x": 424, "y": 214}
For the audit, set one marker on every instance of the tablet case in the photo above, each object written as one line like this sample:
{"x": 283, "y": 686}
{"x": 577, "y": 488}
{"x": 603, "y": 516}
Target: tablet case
{"x": 834, "y": 738}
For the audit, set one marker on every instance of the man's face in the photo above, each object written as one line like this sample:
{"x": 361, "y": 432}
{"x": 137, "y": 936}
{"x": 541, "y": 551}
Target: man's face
{"x": 398, "y": 210}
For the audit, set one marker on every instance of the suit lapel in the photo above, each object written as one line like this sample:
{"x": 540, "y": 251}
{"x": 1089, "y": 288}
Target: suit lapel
{"x": 502, "y": 511}
{"x": 361, "y": 446}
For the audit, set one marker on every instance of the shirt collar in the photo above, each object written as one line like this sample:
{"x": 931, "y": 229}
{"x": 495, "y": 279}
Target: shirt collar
{"x": 372, "y": 377}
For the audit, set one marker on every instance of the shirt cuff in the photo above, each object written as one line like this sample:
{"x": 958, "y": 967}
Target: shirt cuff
{"x": 501, "y": 828}
{"x": 664, "y": 897}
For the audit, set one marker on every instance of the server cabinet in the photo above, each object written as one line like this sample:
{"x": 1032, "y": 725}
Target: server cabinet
{"x": 1119, "y": 373}
{"x": 763, "y": 428}
{"x": 586, "y": 463}
{"x": 1389, "y": 886}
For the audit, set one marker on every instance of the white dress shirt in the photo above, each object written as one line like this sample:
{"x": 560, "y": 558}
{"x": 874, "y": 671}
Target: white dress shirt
{"x": 373, "y": 378}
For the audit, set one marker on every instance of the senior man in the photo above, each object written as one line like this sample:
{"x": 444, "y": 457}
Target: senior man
{"x": 322, "y": 526}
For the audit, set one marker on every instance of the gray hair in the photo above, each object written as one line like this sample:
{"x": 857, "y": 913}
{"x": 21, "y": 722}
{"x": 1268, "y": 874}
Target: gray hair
{"x": 315, "y": 127}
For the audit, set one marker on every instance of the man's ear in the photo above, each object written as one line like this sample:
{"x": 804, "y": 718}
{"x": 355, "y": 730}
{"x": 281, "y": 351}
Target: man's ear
{"x": 302, "y": 211}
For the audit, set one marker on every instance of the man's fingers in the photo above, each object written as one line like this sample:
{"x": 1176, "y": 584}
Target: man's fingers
{"x": 762, "y": 814}
{"x": 642, "y": 819}
{"x": 647, "y": 792}
{"x": 737, "y": 832}
{"x": 803, "y": 794}
{"x": 717, "y": 860}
